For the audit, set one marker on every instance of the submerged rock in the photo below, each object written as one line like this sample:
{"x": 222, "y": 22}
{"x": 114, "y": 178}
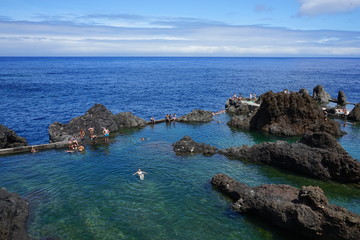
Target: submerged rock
{"x": 320, "y": 95}
{"x": 318, "y": 155}
{"x": 354, "y": 114}
{"x": 304, "y": 211}
{"x": 292, "y": 114}
{"x": 187, "y": 145}
{"x": 13, "y": 214}
{"x": 197, "y": 116}
{"x": 97, "y": 117}
{"x": 9, "y": 139}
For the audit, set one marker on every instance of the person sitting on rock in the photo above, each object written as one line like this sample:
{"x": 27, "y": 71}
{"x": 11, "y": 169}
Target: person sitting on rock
{"x": 34, "y": 149}
{"x": 174, "y": 117}
{"x": 152, "y": 120}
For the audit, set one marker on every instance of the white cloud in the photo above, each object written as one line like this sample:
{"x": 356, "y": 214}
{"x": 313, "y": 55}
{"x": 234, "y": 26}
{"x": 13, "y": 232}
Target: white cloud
{"x": 184, "y": 39}
{"x": 319, "y": 7}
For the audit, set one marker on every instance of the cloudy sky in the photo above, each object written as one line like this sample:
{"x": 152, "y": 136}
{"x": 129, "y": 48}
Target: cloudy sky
{"x": 298, "y": 28}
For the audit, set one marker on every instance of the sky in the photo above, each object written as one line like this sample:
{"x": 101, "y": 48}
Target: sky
{"x": 219, "y": 28}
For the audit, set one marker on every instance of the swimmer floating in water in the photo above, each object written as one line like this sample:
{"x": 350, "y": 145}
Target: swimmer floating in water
{"x": 140, "y": 173}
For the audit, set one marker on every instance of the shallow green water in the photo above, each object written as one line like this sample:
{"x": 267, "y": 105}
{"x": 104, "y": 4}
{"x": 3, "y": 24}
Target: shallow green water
{"x": 95, "y": 196}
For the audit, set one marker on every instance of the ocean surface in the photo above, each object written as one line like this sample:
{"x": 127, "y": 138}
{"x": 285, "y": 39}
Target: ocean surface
{"x": 95, "y": 196}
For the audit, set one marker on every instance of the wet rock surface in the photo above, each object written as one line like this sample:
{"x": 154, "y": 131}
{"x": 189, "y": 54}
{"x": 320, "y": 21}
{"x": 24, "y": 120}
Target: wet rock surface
{"x": 13, "y": 214}
{"x": 304, "y": 211}
{"x": 318, "y": 155}
{"x": 187, "y": 145}
{"x": 97, "y": 117}
{"x": 354, "y": 115}
{"x": 291, "y": 114}
{"x": 197, "y": 115}
{"x": 9, "y": 139}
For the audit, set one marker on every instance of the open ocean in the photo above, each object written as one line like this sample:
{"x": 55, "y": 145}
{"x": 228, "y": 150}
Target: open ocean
{"x": 94, "y": 195}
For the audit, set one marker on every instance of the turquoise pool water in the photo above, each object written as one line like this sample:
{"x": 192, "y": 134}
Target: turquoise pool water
{"x": 95, "y": 196}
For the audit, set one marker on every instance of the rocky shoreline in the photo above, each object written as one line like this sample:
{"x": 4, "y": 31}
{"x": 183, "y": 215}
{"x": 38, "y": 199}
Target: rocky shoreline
{"x": 13, "y": 214}
{"x": 304, "y": 211}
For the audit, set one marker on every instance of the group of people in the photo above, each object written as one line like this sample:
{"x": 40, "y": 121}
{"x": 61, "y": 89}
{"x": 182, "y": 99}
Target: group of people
{"x": 170, "y": 117}
{"x": 252, "y": 97}
{"x": 73, "y": 145}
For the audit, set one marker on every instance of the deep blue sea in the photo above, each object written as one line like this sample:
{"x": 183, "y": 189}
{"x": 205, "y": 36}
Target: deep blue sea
{"x": 95, "y": 196}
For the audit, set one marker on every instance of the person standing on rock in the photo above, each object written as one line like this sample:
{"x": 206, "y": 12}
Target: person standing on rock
{"x": 106, "y": 133}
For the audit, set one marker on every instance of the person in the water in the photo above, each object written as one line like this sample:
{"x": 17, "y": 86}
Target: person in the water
{"x": 140, "y": 173}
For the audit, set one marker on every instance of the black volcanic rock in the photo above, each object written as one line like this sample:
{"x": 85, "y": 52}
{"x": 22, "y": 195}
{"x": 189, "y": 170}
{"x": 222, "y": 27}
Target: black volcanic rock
{"x": 240, "y": 121}
{"x": 98, "y": 117}
{"x": 318, "y": 155}
{"x": 291, "y": 114}
{"x": 354, "y": 114}
{"x": 341, "y": 99}
{"x": 320, "y": 95}
{"x": 187, "y": 145}
{"x": 13, "y": 214}
{"x": 129, "y": 120}
{"x": 9, "y": 139}
{"x": 197, "y": 116}
{"x": 304, "y": 211}
{"x": 239, "y": 107}
{"x": 304, "y": 91}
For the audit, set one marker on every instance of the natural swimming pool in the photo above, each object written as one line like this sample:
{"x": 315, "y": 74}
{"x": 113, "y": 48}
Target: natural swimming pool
{"x": 95, "y": 196}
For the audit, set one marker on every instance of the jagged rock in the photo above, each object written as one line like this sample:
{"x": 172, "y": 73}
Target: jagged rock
{"x": 187, "y": 145}
{"x": 197, "y": 116}
{"x": 341, "y": 99}
{"x": 321, "y": 95}
{"x": 239, "y": 107}
{"x": 129, "y": 120}
{"x": 13, "y": 214}
{"x": 354, "y": 114}
{"x": 318, "y": 155}
{"x": 292, "y": 114}
{"x": 304, "y": 91}
{"x": 98, "y": 117}
{"x": 305, "y": 211}
{"x": 9, "y": 139}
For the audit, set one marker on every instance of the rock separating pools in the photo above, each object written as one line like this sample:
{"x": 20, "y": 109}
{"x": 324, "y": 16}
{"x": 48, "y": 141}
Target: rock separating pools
{"x": 13, "y": 214}
{"x": 354, "y": 115}
{"x": 304, "y": 211}
{"x": 197, "y": 116}
{"x": 188, "y": 146}
{"x": 9, "y": 139}
{"x": 318, "y": 155}
{"x": 98, "y": 117}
